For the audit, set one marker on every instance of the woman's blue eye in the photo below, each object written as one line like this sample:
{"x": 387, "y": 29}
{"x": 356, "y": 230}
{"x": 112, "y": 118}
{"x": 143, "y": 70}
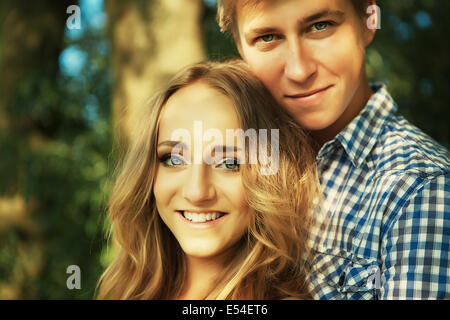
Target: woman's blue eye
{"x": 172, "y": 160}
{"x": 229, "y": 164}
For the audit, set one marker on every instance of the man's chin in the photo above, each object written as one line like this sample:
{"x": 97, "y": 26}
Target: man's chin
{"x": 313, "y": 122}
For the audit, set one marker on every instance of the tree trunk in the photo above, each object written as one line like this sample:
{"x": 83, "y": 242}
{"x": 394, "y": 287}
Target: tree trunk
{"x": 151, "y": 41}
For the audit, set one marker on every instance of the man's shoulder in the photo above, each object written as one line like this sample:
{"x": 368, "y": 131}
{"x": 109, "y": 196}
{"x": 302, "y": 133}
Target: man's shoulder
{"x": 404, "y": 148}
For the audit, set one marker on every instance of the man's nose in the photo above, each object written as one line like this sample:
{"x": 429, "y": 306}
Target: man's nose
{"x": 198, "y": 187}
{"x": 299, "y": 65}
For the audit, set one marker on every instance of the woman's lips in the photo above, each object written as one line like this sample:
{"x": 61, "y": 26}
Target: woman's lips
{"x": 201, "y": 219}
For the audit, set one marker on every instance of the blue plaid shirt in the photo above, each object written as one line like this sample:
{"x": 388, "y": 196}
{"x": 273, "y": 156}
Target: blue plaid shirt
{"x": 383, "y": 231}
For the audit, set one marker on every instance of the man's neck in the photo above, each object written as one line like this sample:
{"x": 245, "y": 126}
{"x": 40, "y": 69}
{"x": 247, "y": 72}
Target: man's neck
{"x": 360, "y": 99}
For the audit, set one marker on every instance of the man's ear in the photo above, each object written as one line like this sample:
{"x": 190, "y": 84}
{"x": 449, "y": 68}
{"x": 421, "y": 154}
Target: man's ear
{"x": 372, "y": 22}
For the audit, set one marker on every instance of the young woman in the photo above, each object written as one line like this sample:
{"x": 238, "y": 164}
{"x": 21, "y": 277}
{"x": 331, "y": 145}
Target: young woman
{"x": 194, "y": 215}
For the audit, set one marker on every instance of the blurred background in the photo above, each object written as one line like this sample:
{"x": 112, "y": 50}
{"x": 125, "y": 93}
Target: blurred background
{"x": 69, "y": 88}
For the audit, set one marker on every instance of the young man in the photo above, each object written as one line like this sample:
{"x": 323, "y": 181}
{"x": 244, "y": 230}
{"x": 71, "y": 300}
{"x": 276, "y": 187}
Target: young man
{"x": 385, "y": 228}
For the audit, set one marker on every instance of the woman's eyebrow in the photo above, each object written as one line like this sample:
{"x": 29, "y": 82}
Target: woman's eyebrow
{"x": 171, "y": 143}
{"x": 225, "y": 148}
{"x": 214, "y": 149}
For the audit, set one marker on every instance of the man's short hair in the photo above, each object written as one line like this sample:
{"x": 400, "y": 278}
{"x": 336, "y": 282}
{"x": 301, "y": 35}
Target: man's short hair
{"x": 226, "y": 13}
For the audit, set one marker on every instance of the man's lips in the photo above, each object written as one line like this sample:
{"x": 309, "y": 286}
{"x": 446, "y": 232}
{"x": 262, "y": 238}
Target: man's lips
{"x": 307, "y": 94}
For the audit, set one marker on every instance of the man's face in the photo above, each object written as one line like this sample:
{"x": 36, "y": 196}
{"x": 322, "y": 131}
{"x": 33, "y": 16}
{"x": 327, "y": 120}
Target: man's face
{"x": 308, "y": 53}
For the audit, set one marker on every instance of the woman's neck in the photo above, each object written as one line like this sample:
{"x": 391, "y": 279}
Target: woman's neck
{"x": 201, "y": 275}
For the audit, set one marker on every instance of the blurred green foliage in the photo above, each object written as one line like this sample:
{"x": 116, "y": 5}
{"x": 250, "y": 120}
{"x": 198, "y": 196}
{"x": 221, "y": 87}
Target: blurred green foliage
{"x": 56, "y": 153}
{"x": 410, "y": 53}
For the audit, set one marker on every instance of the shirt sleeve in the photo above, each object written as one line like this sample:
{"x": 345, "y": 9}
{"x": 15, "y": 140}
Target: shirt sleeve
{"x": 415, "y": 248}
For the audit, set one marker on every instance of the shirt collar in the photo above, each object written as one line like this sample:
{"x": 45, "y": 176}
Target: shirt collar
{"x": 359, "y": 137}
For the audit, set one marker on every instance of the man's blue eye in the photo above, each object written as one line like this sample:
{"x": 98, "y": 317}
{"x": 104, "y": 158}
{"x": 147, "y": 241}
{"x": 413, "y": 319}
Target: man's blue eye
{"x": 267, "y": 38}
{"x": 320, "y": 26}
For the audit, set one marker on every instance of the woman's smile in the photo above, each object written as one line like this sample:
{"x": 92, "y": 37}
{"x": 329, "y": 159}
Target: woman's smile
{"x": 202, "y": 219}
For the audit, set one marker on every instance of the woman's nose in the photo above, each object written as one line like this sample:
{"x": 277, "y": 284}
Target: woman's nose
{"x": 198, "y": 186}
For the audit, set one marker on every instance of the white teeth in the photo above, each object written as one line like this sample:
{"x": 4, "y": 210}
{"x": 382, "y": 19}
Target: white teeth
{"x": 201, "y": 217}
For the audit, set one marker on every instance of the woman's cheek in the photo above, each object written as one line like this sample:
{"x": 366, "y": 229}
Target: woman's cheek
{"x": 163, "y": 188}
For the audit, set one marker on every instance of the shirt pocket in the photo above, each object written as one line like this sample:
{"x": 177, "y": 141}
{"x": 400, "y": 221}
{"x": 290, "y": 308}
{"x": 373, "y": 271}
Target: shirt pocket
{"x": 352, "y": 277}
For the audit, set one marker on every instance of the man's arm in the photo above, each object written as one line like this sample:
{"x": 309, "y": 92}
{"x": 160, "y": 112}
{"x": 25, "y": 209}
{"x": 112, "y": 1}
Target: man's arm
{"x": 415, "y": 248}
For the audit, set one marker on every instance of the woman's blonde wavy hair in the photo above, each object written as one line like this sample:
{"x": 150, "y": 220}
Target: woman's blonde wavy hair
{"x": 271, "y": 260}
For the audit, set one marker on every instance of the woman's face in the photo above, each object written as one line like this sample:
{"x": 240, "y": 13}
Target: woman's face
{"x": 198, "y": 189}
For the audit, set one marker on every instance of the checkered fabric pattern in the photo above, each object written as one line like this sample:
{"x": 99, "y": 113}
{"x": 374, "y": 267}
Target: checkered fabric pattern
{"x": 383, "y": 231}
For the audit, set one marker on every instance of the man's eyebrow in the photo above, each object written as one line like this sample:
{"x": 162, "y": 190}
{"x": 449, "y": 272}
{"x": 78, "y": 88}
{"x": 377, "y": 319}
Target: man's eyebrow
{"x": 323, "y": 14}
{"x": 261, "y": 31}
